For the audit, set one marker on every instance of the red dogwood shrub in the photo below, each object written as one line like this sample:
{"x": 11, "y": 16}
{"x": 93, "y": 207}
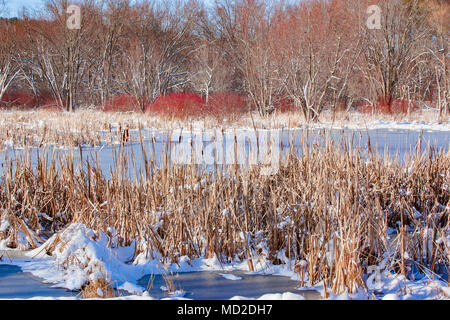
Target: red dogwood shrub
{"x": 121, "y": 103}
{"x": 49, "y": 102}
{"x": 25, "y": 101}
{"x": 226, "y": 103}
{"x": 178, "y": 105}
{"x": 388, "y": 106}
{"x": 284, "y": 105}
{"x": 18, "y": 100}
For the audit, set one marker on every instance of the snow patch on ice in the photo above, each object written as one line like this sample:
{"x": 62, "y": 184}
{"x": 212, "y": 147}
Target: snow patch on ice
{"x": 229, "y": 276}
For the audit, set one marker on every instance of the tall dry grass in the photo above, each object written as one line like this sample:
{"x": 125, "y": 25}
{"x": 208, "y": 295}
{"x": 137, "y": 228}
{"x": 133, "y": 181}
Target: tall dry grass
{"x": 325, "y": 214}
{"x": 19, "y": 129}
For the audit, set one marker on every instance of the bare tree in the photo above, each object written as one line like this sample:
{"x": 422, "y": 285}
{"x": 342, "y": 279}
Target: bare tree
{"x": 317, "y": 55}
{"x": 394, "y": 51}
{"x": 59, "y": 50}
{"x": 246, "y": 25}
{"x": 155, "y": 56}
{"x": 208, "y": 60}
{"x": 8, "y": 70}
{"x": 439, "y": 19}
{"x": 112, "y": 25}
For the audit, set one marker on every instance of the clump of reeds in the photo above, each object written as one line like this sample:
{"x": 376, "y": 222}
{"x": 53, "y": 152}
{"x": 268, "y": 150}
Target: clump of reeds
{"x": 325, "y": 213}
{"x": 99, "y": 288}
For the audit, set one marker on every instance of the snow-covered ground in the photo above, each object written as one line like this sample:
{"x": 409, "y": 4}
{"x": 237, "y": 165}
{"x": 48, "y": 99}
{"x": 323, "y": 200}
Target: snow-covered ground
{"x": 80, "y": 254}
{"x": 386, "y": 125}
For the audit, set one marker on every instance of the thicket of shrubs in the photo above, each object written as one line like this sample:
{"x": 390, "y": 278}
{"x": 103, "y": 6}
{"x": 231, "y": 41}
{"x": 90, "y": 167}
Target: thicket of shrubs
{"x": 192, "y": 59}
{"x": 27, "y": 101}
{"x": 181, "y": 105}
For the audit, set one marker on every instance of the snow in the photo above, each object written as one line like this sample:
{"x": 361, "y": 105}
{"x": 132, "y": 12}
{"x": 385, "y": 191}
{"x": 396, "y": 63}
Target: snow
{"x": 273, "y": 296}
{"x": 393, "y": 296}
{"x": 387, "y": 125}
{"x": 81, "y": 255}
{"x": 4, "y": 224}
{"x": 131, "y": 288}
{"x": 230, "y": 276}
{"x": 99, "y": 292}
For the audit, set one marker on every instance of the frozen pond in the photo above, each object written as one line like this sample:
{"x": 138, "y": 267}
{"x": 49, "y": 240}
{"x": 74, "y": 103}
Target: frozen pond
{"x": 203, "y": 285}
{"x": 215, "y": 285}
{"x": 15, "y": 284}
{"x": 212, "y": 285}
{"x": 210, "y": 148}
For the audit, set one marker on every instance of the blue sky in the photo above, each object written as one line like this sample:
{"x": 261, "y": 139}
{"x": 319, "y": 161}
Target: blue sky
{"x": 14, "y": 7}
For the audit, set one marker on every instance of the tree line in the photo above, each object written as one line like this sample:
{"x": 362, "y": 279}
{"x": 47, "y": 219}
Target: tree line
{"x": 311, "y": 55}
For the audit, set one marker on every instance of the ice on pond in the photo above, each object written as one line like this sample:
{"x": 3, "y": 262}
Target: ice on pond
{"x": 15, "y": 284}
{"x": 214, "y": 285}
{"x": 394, "y": 143}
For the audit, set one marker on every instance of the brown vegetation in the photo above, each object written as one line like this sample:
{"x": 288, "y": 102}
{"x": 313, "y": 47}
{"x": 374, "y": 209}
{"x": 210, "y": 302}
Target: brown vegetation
{"x": 317, "y": 55}
{"x": 325, "y": 213}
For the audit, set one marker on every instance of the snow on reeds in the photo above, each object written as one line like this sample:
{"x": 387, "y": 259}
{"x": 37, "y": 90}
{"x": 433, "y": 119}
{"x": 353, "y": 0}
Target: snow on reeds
{"x": 328, "y": 214}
